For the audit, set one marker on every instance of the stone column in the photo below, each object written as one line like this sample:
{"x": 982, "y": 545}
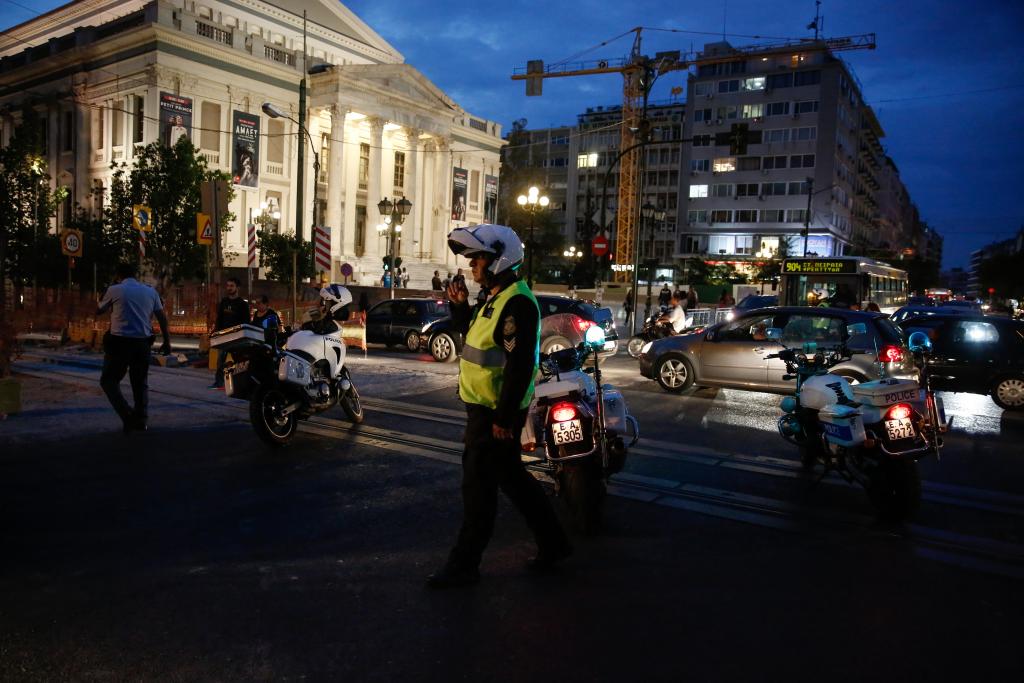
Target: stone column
{"x": 351, "y": 187}
{"x": 375, "y": 246}
{"x": 414, "y": 226}
{"x": 442, "y": 201}
{"x": 335, "y": 183}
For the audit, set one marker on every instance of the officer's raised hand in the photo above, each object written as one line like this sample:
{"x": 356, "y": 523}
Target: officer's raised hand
{"x": 457, "y": 292}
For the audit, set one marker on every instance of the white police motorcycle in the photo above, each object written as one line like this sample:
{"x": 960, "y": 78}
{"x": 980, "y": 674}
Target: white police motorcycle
{"x": 579, "y": 426}
{"x": 871, "y": 433}
{"x": 305, "y": 377}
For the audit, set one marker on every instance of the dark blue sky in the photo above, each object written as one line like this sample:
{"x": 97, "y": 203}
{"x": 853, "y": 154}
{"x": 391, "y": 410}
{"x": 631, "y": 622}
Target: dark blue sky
{"x": 947, "y": 79}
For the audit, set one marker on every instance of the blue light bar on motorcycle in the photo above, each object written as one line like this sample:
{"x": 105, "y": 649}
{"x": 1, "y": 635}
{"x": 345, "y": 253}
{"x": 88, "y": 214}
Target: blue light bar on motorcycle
{"x": 594, "y": 336}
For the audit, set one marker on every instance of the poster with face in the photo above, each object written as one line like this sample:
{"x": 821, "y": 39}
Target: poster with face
{"x": 175, "y": 118}
{"x": 245, "y": 150}
{"x": 490, "y": 199}
{"x": 460, "y": 180}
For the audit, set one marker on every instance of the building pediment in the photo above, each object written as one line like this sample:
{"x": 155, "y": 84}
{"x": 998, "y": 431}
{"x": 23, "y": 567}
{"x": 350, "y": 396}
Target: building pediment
{"x": 397, "y": 82}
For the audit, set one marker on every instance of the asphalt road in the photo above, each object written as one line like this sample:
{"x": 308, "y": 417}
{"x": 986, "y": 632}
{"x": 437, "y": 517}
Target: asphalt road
{"x": 191, "y": 552}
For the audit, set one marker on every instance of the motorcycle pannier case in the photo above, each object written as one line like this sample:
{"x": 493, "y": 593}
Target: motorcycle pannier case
{"x": 614, "y": 409}
{"x": 885, "y": 392}
{"x": 237, "y": 338}
{"x": 238, "y": 381}
{"x": 842, "y": 425}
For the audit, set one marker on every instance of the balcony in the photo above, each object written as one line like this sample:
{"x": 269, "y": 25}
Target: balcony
{"x": 213, "y": 33}
{"x": 279, "y": 55}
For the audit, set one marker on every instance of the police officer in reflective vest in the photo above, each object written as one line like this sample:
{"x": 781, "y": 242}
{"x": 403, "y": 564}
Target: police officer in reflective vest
{"x": 496, "y": 374}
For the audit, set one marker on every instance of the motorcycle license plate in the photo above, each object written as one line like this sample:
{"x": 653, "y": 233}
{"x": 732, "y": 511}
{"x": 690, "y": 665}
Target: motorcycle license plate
{"x": 899, "y": 429}
{"x": 569, "y": 431}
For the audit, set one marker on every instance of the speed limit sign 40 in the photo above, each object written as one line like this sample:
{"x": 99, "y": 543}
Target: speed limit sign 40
{"x": 71, "y": 243}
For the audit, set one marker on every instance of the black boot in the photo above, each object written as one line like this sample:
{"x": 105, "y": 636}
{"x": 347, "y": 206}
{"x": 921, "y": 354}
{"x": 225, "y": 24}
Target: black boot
{"x": 453, "y": 576}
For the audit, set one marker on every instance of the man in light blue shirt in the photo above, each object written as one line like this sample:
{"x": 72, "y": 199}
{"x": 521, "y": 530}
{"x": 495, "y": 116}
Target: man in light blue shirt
{"x": 126, "y": 347}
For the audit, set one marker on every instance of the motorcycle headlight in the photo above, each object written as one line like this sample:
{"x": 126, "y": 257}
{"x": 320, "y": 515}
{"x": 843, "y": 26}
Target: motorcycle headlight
{"x": 646, "y": 347}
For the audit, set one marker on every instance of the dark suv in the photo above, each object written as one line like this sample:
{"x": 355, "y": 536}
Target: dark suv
{"x": 417, "y": 324}
{"x": 564, "y": 321}
{"x": 976, "y": 354}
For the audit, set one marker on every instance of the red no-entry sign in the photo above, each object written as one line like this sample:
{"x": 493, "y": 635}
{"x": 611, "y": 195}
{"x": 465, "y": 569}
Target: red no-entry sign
{"x": 599, "y": 246}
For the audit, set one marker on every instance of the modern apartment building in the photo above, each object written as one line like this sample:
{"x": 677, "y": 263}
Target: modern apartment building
{"x": 809, "y": 131}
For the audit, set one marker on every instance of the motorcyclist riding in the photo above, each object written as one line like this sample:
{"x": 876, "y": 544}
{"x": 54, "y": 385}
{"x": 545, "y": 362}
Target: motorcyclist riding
{"x": 323, "y": 318}
{"x": 676, "y": 316}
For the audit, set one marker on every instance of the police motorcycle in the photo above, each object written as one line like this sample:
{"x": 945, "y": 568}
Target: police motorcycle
{"x": 650, "y": 331}
{"x": 872, "y": 433}
{"x": 306, "y": 376}
{"x": 579, "y": 426}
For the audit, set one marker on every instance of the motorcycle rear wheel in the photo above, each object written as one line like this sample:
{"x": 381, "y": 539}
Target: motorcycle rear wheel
{"x": 272, "y": 428}
{"x": 584, "y": 490}
{"x": 894, "y": 488}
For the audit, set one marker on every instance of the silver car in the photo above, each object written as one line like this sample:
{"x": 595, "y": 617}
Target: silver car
{"x": 734, "y": 354}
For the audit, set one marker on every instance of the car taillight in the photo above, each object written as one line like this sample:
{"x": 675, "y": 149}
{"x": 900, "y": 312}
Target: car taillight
{"x": 900, "y": 411}
{"x": 561, "y": 412}
{"x": 891, "y": 354}
{"x": 583, "y": 325}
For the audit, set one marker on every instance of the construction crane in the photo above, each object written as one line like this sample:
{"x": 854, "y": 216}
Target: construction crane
{"x": 638, "y": 75}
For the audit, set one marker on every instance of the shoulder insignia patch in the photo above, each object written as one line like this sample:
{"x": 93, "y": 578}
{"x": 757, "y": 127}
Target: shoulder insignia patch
{"x": 509, "y": 327}
{"x": 509, "y": 344}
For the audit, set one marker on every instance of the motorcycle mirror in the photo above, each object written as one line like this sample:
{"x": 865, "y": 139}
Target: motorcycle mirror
{"x": 774, "y": 333}
{"x": 856, "y": 329}
{"x": 919, "y": 343}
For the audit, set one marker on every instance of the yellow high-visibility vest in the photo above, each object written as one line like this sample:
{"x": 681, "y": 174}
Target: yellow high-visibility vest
{"x": 483, "y": 361}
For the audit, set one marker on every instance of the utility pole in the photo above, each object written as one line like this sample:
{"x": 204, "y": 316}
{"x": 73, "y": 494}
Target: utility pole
{"x": 300, "y": 175}
{"x": 807, "y": 216}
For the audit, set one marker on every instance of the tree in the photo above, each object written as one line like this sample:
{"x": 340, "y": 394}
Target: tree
{"x": 26, "y": 206}
{"x": 276, "y": 251}
{"x": 1002, "y": 273}
{"x": 169, "y": 180}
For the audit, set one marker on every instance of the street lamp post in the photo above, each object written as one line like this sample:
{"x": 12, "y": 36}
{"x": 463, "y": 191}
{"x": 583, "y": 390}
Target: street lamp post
{"x": 652, "y": 215}
{"x": 394, "y": 213}
{"x": 531, "y": 202}
{"x": 574, "y": 255}
{"x": 276, "y": 113}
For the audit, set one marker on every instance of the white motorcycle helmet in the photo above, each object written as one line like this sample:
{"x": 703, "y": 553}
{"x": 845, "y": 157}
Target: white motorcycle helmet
{"x": 334, "y": 297}
{"x": 487, "y": 238}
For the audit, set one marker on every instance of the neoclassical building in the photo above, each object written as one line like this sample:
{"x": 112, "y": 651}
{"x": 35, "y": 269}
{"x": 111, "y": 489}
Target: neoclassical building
{"x": 108, "y": 76}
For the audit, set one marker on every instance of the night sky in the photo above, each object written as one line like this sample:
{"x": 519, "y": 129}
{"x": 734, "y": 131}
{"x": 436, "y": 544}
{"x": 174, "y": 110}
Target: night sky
{"x": 946, "y": 79}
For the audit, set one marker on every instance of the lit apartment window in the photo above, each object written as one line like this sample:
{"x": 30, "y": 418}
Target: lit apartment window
{"x": 724, "y": 164}
{"x": 745, "y": 243}
{"x": 698, "y": 191}
{"x": 753, "y": 111}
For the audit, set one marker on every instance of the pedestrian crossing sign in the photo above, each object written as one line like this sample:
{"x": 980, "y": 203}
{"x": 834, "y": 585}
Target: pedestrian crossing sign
{"x": 142, "y": 218}
{"x": 204, "y": 229}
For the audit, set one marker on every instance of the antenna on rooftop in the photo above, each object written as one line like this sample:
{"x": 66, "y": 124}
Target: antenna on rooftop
{"x": 819, "y": 21}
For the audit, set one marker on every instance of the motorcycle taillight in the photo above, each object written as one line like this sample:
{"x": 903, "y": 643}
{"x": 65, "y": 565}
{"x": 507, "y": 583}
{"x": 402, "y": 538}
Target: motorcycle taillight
{"x": 583, "y": 325}
{"x": 891, "y": 354}
{"x": 900, "y": 411}
{"x": 562, "y": 412}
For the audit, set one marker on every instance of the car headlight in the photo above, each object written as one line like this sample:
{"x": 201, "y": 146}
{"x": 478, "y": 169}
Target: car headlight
{"x": 646, "y": 347}
{"x": 730, "y": 315}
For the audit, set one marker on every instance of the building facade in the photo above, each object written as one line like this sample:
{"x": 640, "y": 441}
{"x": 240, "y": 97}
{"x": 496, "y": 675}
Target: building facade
{"x": 106, "y": 77}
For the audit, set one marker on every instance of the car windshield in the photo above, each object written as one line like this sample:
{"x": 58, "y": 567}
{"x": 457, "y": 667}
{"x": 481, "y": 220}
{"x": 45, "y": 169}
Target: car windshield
{"x": 439, "y": 308}
{"x": 817, "y": 328}
{"x": 752, "y": 301}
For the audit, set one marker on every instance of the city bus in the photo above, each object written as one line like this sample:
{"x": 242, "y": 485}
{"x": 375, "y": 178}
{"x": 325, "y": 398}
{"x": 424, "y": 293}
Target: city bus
{"x": 842, "y": 281}
{"x": 939, "y": 295}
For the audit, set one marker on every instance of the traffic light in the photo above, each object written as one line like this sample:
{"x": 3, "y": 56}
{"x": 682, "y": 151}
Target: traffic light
{"x": 739, "y": 137}
{"x": 387, "y": 262}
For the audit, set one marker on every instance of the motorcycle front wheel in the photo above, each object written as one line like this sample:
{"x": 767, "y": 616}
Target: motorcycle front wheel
{"x": 583, "y": 488}
{"x": 265, "y": 414}
{"x": 634, "y": 346}
{"x": 351, "y": 404}
{"x": 894, "y": 487}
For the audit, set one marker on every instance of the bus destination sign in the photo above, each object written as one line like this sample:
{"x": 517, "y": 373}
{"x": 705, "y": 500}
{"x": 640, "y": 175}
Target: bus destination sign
{"x": 823, "y": 266}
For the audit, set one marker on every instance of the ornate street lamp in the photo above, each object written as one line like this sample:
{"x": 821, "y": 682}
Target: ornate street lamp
{"x": 531, "y": 202}
{"x": 394, "y": 214}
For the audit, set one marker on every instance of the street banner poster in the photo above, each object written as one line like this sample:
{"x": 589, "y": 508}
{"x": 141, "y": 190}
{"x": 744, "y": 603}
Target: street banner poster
{"x": 490, "y": 198}
{"x": 175, "y": 118}
{"x": 460, "y": 179}
{"x": 245, "y": 150}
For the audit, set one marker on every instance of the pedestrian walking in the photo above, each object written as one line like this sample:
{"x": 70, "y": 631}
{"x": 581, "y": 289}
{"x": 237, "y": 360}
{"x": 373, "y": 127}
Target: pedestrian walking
{"x": 435, "y": 282}
{"x": 127, "y": 347}
{"x": 692, "y": 300}
{"x": 232, "y": 310}
{"x": 726, "y": 300}
{"x": 665, "y": 295}
{"x": 496, "y": 374}
{"x": 627, "y": 308}
{"x": 447, "y": 281}
{"x": 405, "y": 278}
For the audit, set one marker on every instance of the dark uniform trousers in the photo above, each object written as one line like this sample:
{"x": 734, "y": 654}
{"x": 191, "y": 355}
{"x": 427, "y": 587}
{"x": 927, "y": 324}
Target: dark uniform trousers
{"x": 131, "y": 355}
{"x": 487, "y": 465}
